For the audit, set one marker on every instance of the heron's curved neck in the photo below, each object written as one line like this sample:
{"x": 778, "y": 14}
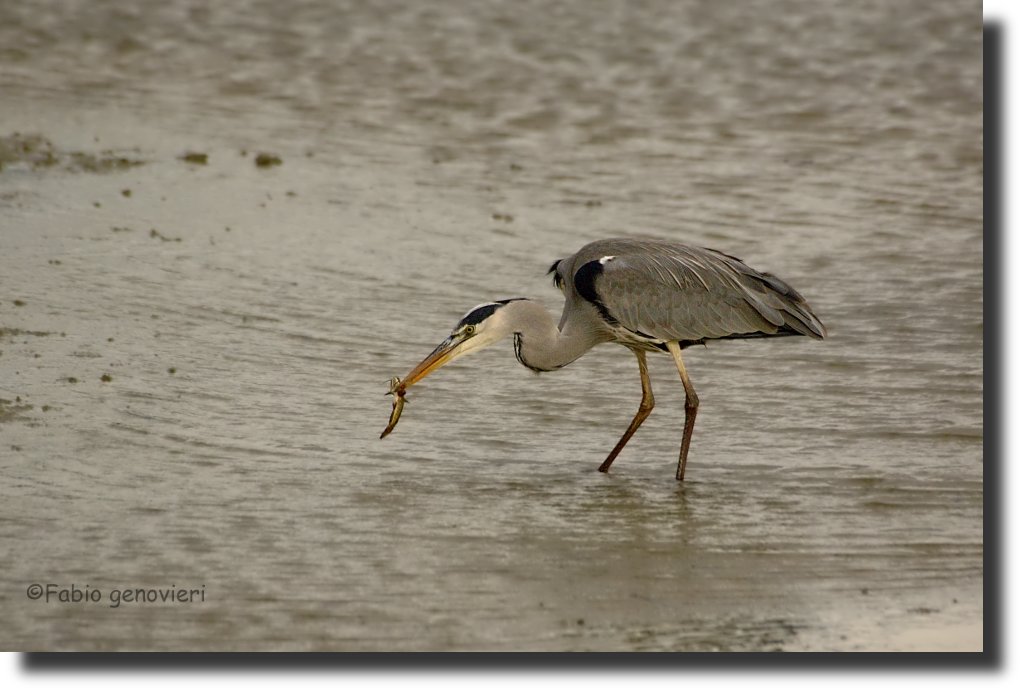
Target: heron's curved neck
{"x": 539, "y": 344}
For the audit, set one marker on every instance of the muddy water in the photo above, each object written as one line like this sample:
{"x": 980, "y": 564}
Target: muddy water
{"x": 194, "y": 356}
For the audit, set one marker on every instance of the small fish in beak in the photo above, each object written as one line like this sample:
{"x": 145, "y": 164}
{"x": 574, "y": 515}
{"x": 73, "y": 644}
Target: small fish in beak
{"x": 445, "y": 352}
{"x": 465, "y": 339}
{"x": 398, "y": 390}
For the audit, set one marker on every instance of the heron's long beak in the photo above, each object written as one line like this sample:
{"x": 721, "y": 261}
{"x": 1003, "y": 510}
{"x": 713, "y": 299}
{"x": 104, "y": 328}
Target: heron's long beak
{"x": 446, "y": 351}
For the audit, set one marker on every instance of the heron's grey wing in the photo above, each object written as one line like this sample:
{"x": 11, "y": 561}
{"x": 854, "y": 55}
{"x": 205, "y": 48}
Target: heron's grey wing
{"x": 675, "y": 292}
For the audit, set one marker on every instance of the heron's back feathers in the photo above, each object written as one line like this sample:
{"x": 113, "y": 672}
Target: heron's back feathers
{"x": 674, "y": 292}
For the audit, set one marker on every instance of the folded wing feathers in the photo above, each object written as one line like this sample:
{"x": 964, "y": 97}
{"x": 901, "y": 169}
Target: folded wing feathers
{"x": 694, "y": 293}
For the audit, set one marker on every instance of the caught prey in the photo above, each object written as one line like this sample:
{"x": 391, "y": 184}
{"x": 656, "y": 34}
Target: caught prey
{"x": 398, "y": 390}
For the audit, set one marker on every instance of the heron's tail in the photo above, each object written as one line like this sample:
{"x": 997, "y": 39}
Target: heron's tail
{"x": 782, "y": 305}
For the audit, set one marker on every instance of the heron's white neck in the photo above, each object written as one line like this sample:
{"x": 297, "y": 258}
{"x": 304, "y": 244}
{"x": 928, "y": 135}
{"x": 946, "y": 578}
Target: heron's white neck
{"x": 539, "y": 344}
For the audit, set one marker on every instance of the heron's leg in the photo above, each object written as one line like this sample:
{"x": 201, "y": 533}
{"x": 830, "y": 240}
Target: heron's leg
{"x": 646, "y": 405}
{"x": 691, "y": 407}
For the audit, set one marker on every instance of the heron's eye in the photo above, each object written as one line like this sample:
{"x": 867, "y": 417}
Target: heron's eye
{"x": 469, "y": 329}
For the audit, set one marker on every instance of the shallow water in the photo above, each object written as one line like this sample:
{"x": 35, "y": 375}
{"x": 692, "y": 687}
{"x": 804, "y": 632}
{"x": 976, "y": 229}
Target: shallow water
{"x": 247, "y": 319}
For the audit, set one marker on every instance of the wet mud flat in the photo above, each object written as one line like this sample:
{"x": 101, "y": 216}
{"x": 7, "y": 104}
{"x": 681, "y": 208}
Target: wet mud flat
{"x": 153, "y": 435}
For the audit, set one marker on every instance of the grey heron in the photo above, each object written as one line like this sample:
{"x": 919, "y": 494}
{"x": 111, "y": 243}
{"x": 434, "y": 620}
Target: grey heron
{"x": 646, "y": 294}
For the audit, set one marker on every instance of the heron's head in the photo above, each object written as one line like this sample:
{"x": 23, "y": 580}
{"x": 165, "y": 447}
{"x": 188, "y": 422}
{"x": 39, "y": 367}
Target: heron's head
{"x": 480, "y": 327}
